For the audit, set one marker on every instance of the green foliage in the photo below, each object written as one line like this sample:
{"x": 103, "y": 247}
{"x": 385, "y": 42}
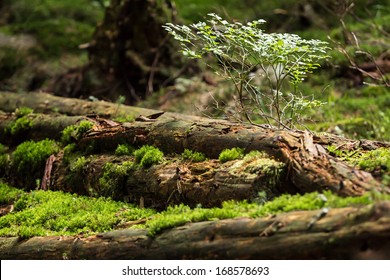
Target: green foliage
{"x": 74, "y": 133}
{"x": 56, "y": 213}
{"x": 193, "y": 156}
{"x": 147, "y": 156}
{"x": 113, "y": 178}
{"x": 245, "y": 53}
{"x": 231, "y": 154}
{"x": 29, "y": 157}
{"x": 124, "y": 150}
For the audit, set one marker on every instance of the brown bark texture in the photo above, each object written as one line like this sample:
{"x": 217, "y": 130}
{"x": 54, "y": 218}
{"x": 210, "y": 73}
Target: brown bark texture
{"x": 345, "y": 233}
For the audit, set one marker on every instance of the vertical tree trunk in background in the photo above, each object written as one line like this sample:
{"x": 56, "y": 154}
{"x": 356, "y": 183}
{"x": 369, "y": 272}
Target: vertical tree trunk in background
{"x": 130, "y": 53}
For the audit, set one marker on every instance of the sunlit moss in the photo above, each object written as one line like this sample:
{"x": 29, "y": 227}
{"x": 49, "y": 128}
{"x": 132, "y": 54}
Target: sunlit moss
{"x": 231, "y": 154}
{"x": 123, "y": 150}
{"x": 57, "y": 213}
{"x": 75, "y": 132}
{"x": 193, "y": 156}
{"x": 29, "y": 158}
{"x": 147, "y": 156}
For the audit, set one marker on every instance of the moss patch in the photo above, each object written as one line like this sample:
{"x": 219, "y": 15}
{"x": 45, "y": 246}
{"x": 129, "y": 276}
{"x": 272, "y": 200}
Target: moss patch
{"x": 112, "y": 181}
{"x": 124, "y": 150}
{"x": 75, "y": 132}
{"x": 29, "y": 159}
{"x": 193, "y": 156}
{"x": 41, "y": 213}
{"x": 22, "y": 123}
{"x": 147, "y": 156}
{"x": 55, "y": 213}
{"x": 231, "y": 154}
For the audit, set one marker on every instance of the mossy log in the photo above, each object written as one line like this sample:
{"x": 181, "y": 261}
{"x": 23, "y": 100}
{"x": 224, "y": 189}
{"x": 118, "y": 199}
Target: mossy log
{"x": 346, "y": 233}
{"x": 206, "y": 183}
{"x": 36, "y": 127}
{"x": 308, "y": 165}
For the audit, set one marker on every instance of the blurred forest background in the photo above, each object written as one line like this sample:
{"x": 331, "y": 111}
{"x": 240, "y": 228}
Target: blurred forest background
{"x": 70, "y": 48}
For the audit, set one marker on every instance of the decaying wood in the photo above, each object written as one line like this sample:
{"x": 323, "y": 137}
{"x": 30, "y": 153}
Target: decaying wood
{"x": 207, "y": 183}
{"x": 346, "y": 233}
{"x": 309, "y": 167}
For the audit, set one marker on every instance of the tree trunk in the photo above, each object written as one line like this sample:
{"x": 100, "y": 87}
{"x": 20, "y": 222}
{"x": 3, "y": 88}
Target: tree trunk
{"x": 346, "y": 233}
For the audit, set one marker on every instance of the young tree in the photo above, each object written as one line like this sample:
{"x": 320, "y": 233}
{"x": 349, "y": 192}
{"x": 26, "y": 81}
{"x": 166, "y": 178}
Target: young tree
{"x": 266, "y": 69}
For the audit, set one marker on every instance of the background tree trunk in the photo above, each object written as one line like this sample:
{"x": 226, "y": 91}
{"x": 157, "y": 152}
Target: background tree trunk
{"x": 130, "y": 53}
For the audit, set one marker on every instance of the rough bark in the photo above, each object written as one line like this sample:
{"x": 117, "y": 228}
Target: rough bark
{"x": 346, "y": 233}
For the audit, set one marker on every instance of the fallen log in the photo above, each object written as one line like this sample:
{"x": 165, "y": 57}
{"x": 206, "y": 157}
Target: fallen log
{"x": 346, "y": 233}
{"x": 308, "y": 165}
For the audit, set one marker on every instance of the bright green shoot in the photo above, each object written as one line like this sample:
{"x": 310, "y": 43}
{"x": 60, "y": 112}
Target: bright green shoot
{"x": 266, "y": 69}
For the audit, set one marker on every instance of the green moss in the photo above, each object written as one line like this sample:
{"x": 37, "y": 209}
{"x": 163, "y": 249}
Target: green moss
{"x": 231, "y": 154}
{"x": 113, "y": 178}
{"x": 22, "y": 122}
{"x": 69, "y": 152}
{"x": 57, "y": 213}
{"x": 375, "y": 160}
{"x": 124, "y": 150}
{"x": 23, "y": 111}
{"x": 4, "y": 159}
{"x": 8, "y": 194}
{"x": 42, "y": 213}
{"x": 79, "y": 165}
{"x": 124, "y": 118}
{"x": 20, "y": 125}
{"x": 193, "y": 156}
{"x": 74, "y": 133}
{"x": 29, "y": 158}
{"x": 147, "y": 156}
{"x": 179, "y": 215}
